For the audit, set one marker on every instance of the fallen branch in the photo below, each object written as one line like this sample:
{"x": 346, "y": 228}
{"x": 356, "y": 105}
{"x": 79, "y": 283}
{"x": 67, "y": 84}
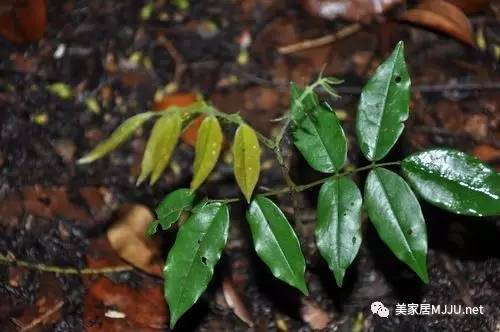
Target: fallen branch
{"x": 321, "y": 41}
{"x": 63, "y": 270}
{"x": 34, "y": 323}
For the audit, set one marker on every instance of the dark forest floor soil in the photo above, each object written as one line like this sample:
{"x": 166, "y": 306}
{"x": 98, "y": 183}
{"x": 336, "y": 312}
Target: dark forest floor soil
{"x": 55, "y": 212}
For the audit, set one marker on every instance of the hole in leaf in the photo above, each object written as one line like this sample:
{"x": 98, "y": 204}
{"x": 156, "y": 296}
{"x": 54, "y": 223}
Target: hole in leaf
{"x": 410, "y": 231}
{"x": 204, "y": 260}
{"x": 353, "y": 240}
{"x": 398, "y": 79}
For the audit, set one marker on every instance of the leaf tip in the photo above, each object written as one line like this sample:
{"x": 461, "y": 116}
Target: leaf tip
{"x": 339, "y": 278}
{"x": 85, "y": 160}
{"x": 303, "y": 289}
{"x": 153, "y": 179}
{"x": 423, "y": 274}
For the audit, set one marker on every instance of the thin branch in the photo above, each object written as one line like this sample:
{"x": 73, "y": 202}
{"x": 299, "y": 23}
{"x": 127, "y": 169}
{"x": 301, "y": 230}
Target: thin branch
{"x": 321, "y": 41}
{"x": 63, "y": 270}
{"x": 37, "y": 321}
{"x": 180, "y": 64}
{"x": 310, "y": 185}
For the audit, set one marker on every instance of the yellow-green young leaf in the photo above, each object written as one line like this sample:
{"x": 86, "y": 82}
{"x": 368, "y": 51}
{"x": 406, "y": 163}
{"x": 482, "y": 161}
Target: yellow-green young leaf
{"x": 161, "y": 136}
{"x": 246, "y": 154}
{"x": 120, "y": 135}
{"x": 207, "y": 150}
{"x": 171, "y": 130}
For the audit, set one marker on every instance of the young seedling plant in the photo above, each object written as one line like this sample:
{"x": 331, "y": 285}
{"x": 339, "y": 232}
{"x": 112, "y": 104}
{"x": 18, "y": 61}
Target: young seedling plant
{"x": 447, "y": 178}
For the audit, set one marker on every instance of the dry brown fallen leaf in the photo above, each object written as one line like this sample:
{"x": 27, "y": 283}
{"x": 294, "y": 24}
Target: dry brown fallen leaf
{"x": 443, "y": 17}
{"x": 470, "y": 6}
{"x": 128, "y": 238}
{"x": 486, "y": 153}
{"x": 136, "y": 304}
{"x": 351, "y": 10}
{"x": 315, "y": 316}
{"x": 235, "y": 302}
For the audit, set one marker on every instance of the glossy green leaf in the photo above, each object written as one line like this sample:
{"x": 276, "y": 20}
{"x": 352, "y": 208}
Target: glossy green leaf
{"x": 120, "y": 135}
{"x": 169, "y": 127}
{"x": 172, "y": 206}
{"x": 300, "y": 103}
{"x": 338, "y": 233}
{"x": 190, "y": 263}
{"x": 207, "y": 150}
{"x": 276, "y": 243}
{"x": 454, "y": 181}
{"x": 246, "y": 155}
{"x": 321, "y": 140}
{"x": 383, "y": 106}
{"x": 395, "y": 212}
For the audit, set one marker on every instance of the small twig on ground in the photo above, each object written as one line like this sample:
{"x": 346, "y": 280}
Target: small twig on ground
{"x": 321, "y": 41}
{"x": 40, "y": 319}
{"x": 63, "y": 270}
{"x": 180, "y": 64}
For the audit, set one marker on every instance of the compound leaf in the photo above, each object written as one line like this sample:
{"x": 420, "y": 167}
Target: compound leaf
{"x": 190, "y": 263}
{"x": 276, "y": 243}
{"x": 397, "y": 217}
{"x": 338, "y": 233}
{"x": 120, "y": 135}
{"x": 383, "y": 106}
{"x": 321, "y": 140}
{"x": 454, "y": 181}
{"x": 169, "y": 130}
{"x": 207, "y": 150}
{"x": 246, "y": 154}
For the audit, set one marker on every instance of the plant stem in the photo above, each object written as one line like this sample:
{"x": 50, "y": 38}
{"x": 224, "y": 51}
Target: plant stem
{"x": 63, "y": 270}
{"x": 310, "y": 185}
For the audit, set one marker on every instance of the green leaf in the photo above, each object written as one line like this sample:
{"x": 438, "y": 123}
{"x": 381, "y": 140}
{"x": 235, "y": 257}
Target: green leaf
{"x": 383, "y": 106}
{"x": 207, "y": 150}
{"x": 301, "y": 102}
{"x": 120, "y": 135}
{"x": 172, "y": 206}
{"x": 454, "y": 181}
{"x": 169, "y": 130}
{"x": 338, "y": 233}
{"x": 246, "y": 154}
{"x": 321, "y": 140}
{"x": 190, "y": 263}
{"x": 162, "y": 134}
{"x": 276, "y": 243}
{"x": 397, "y": 217}
{"x": 62, "y": 90}
{"x": 152, "y": 228}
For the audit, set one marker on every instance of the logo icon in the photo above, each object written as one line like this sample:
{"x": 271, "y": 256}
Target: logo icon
{"x": 378, "y": 308}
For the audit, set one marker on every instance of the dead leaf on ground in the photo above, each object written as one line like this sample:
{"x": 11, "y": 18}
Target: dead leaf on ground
{"x": 470, "y": 6}
{"x": 121, "y": 306}
{"x": 128, "y": 238}
{"x": 351, "y": 10}
{"x": 23, "y": 20}
{"x": 486, "y": 153}
{"x": 443, "y": 17}
{"x": 234, "y": 301}
{"x": 46, "y": 309}
{"x": 142, "y": 309}
{"x": 314, "y": 315}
